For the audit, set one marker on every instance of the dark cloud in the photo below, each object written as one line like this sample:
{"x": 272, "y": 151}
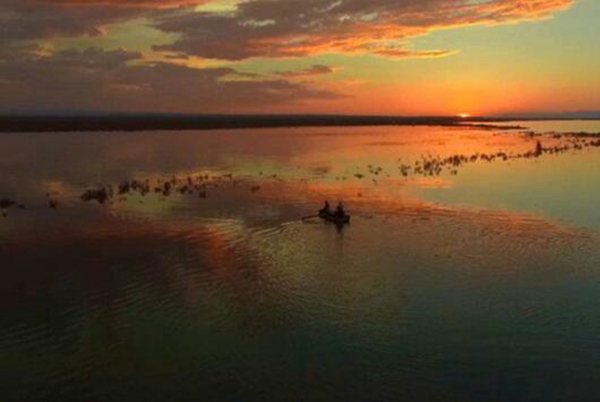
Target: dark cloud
{"x": 284, "y": 28}
{"x": 127, "y": 3}
{"x": 31, "y": 77}
{"x": 96, "y": 79}
{"x": 269, "y": 28}
{"x": 37, "y": 19}
{"x": 31, "y": 20}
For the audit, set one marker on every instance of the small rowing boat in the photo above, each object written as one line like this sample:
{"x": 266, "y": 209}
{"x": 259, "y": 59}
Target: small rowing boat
{"x": 338, "y": 220}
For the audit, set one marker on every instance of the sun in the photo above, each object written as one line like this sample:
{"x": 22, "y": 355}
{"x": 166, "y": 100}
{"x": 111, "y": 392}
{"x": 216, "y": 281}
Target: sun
{"x": 464, "y": 115}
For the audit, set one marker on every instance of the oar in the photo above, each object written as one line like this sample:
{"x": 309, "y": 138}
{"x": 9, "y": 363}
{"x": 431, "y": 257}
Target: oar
{"x": 310, "y": 217}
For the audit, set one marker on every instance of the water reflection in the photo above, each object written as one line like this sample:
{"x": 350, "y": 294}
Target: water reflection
{"x": 426, "y": 157}
{"x": 178, "y": 296}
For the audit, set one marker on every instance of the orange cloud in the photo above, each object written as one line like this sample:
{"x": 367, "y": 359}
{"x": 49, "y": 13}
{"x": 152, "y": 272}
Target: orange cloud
{"x": 256, "y": 28}
{"x": 289, "y": 28}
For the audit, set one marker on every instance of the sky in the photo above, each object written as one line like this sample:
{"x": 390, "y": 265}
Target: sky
{"x": 402, "y": 57}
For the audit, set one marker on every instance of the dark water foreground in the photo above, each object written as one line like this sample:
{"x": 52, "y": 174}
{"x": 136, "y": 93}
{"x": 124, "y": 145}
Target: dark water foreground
{"x": 479, "y": 283}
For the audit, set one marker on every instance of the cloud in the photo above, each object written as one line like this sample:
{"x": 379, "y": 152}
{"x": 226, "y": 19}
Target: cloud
{"x": 127, "y": 3}
{"x": 402, "y": 53}
{"x": 295, "y": 28}
{"x": 34, "y": 77}
{"x": 38, "y": 19}
{"x": 30, "y": 20}
{"x": 269, "y": 28}
{"x": 315, "y": 69}
{"x": 96, "y": 79}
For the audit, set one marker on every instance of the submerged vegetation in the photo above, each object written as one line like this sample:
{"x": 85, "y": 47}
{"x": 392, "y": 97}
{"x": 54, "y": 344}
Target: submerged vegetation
{"x": 435, "y": 165}
{"x": 201, "y": 184}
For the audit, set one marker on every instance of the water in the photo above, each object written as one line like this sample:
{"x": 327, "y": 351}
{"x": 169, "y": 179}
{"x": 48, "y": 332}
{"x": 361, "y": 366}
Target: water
{"x": 481, "y": 282}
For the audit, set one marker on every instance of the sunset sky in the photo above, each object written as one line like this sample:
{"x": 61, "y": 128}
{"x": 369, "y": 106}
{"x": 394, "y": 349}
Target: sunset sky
{"x": 406, "y": 57}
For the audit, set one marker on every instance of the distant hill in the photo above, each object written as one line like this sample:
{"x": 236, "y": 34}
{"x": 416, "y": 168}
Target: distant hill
{"x": 140, "y": 122}
{"x": 90, "y": 120}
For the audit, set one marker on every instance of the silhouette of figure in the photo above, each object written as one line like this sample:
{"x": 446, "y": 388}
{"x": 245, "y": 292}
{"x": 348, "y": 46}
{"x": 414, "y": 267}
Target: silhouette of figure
{"x": 326, "y": 209}
{"x": 339, "y": 211}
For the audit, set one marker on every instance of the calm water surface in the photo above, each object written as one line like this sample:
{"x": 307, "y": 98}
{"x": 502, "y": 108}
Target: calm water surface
{"x": 481, "y": 282}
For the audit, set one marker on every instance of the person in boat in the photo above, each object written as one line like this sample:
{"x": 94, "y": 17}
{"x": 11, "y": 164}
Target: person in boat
{"x": 339, "y": 211}
{"x": 326, "y": 209}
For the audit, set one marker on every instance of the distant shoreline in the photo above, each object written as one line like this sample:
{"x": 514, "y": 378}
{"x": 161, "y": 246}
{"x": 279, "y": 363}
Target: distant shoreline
{"x": 23, "y": 123}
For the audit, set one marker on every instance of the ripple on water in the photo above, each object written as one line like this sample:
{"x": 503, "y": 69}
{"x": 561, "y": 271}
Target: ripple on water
{"x": 221, "y": 296}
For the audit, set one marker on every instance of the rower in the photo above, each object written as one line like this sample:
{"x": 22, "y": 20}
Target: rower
{"x": 326, "y": 209}
{"x": 339, "y": 211}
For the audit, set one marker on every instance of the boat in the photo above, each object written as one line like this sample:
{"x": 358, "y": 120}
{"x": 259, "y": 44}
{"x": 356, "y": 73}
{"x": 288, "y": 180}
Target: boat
{"x": 338, "y": 220}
